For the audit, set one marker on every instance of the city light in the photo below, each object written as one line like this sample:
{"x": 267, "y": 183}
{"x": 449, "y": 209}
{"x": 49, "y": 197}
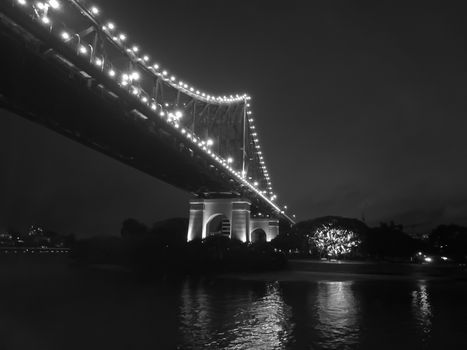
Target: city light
{"x": 112, "y": 73}
{"x": 65, "y": 36}
{"x": 209, "y": 142}
{"x": 94, "y": 10}
{"x": 111, "y": 26}
{"x": 229, "y": 160}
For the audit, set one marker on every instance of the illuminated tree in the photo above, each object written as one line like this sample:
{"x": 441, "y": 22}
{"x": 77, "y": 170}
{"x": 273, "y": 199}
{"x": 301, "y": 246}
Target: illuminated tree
{"x": 334, "y": 242}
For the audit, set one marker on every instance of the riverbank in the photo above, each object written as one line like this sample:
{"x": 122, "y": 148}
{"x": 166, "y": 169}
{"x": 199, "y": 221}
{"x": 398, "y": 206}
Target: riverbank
{"x": 312, "y": 270}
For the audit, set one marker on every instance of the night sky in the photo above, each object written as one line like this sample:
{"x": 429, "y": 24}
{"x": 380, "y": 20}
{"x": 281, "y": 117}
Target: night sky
{"x": 360, "y": 109}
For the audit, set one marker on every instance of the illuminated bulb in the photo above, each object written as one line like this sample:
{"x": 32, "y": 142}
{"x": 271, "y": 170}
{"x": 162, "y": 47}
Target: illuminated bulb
{"x": 112, "y": 73}
{"x": 209, "y": 142}
{"x": 54, "y": 4}
{"x": 230, "y": 160}
{"x": 164, "y": 72}
{"x": 172, "y": 78}
{"x": 153, "y": 106}
{"x": 134, "y": 91}
{"x": 40, "y": 6}
{"x": 144, "y": 99}
{"x": 161, "y": 113}
{"x": 94, "y": 10}
{"x": 83, "y": 50}
{"x": 22, "y": 2}
{"x": 122, "y": 37}
{"x": 65, "y": 36}
{"x": 135, "y": 76}
{"x": 178, "y": 114}
{"x": 135, "y": 48}
{"x": 45, "y": 20}
{"x": 146, "y": 58}
{"x": 111, "y": 26}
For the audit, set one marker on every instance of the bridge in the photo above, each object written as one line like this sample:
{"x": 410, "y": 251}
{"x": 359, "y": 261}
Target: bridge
{"x": 70, "y": 70}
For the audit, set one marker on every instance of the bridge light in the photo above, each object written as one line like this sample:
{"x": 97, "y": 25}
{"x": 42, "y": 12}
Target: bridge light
{"x": 146, "y": 58}
{"x": 229, "y": 160}
{"x": 22, "y": 2}
{"x": 54, "y": 4}
{"x": 122, "y": 37}
{"x": 178, "y": 114}
{"x": 164, "y": 72}
{"x": 111, "y": 73}
{"x": 65, "y": 36}
{"x": 156, "y": 66}
{"x": 40, "y": 6}
{"x": 172, "y": 78}
{"x": 135, "y": 76}
{"x": 111, "y": 26}
{"x": 83, "y": 50}
{"x": 135, "y": 48}
{"x": 94, "y": 10}
{"x": 209, "y": 142}
{"x": 98, "y": 62}
{"x": 45, "y": 20}
{"x": 144, "y": 99}
{"x": 255, "y": 183}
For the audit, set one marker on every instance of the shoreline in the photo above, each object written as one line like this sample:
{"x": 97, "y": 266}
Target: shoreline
{"x": 342, "y": 271}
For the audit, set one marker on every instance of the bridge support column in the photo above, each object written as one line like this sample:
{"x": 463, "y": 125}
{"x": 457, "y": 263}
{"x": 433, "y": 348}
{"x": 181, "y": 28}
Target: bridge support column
{"x": 227, "y": 216}
{"x": 267, "y": 226}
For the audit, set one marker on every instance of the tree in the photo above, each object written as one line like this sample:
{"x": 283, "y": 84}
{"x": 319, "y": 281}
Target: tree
{"x": 335, "y": 242}
{"x": 132, "y": 228}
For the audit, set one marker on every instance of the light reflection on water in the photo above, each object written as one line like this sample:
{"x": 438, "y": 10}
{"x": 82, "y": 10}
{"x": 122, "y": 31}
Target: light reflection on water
{"x": 251, "y": 320}
{"x": 422, "y": 309}
{"x": 337, "y": 314}
{"x": 45, "y": 307}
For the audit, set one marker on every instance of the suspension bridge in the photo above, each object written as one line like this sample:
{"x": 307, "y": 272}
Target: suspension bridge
{"x": 70, "y": 70}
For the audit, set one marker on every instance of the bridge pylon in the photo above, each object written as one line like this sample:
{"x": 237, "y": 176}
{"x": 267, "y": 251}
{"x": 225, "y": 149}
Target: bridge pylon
{"x": 230, "y": 217}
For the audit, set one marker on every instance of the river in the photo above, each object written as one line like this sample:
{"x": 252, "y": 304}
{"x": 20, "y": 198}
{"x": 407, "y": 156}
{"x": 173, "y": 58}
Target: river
{"x": 47, "y": 304}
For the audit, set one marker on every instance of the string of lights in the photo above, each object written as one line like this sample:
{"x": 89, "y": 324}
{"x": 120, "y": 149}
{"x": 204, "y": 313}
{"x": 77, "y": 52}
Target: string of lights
{"x": 131, "y": 81}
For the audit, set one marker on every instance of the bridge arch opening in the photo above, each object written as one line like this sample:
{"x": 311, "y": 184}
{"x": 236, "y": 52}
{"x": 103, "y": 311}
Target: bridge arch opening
{"x": 218, "y": 224}
{"x": 258, "y": 236}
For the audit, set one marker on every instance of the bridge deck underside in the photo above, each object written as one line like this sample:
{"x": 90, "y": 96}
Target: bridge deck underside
{"x": 48, "y": 88}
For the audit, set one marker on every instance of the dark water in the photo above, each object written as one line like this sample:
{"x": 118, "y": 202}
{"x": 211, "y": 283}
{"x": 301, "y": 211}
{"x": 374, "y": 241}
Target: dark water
{"x": 47, "y": 305}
